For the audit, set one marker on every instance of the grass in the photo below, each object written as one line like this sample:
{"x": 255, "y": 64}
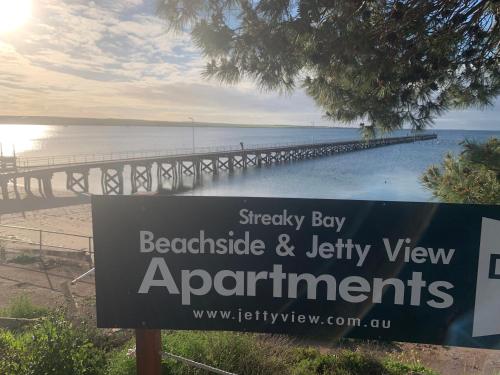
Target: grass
{"x": 2, "y": 252}
{"x": 22, "y": 307}
{"x": 55, "y": 346}
{"x": 251, "y": 354}
{"x": 25, "y": 259}
{"x": 52, "y": 346}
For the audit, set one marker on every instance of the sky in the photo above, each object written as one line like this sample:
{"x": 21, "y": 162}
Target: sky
{"x": 115, "y": 59}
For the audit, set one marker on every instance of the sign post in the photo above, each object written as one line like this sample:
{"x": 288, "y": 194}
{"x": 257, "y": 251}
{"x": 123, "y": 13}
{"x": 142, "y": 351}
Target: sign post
{"x": 395, "y": 271}
{"x": 148, "y": 351}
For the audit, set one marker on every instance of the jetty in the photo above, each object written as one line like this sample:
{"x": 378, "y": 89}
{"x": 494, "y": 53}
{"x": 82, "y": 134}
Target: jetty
{"x": 173, "y": 166}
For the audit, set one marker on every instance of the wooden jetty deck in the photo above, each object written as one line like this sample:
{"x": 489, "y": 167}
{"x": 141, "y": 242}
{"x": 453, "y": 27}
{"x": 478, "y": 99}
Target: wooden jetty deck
{"x": 167, "y": 166}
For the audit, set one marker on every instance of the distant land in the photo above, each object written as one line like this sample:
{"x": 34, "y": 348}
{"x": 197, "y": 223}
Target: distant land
{"x": 82, "y": 121}
{"x": 89, "y": 121}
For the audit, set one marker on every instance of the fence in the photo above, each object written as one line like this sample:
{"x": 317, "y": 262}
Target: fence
{"x": 45, "y": 161}
{"x": 42, "y": 241}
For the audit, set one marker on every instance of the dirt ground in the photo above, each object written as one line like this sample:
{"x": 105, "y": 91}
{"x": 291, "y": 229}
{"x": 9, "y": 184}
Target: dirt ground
{"x": 47, "y": 284}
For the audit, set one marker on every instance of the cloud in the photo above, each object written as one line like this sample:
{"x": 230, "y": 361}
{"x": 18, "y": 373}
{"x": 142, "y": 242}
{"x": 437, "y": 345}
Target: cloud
{"x": 35, "y": 89}
{"x": 100, "y": 59}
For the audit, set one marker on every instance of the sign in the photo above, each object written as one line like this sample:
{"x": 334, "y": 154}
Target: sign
{"x": 417, "y": 272}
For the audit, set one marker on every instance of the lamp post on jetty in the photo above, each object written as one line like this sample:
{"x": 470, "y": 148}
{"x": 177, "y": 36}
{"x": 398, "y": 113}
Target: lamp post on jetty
{"x": 192, "y": 128}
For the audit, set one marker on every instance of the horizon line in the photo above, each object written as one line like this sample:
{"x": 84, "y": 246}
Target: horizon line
{"x": 113, "y": 121}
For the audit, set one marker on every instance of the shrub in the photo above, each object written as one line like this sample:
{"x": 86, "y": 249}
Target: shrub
{"x": 22, "y": 307}
{"x": 244, "y": 353}
{"x": 11, "y": 355}
{"x": 311, "y": 362}
{"x": 25, "y": 259}
{"x": 52, "y": 346}
{"x": 241, "y": 353}
{"x": 59, "y": 348}
{"x": 55, "y": 346}
{"x": 234, "y": 352}
{"x": 3, "y": 256}
{"x": 120, "y": 363}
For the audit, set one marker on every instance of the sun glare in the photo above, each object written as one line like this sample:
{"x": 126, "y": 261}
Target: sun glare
{"x": 14, "y": 14}
{"x": 21, "y": 138}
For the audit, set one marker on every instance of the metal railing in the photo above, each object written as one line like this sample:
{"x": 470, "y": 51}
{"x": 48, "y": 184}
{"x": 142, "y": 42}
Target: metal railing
{"x": 195, "y": 364}
{"x": 42, "y": 243}
{"x": 47, "y": 161}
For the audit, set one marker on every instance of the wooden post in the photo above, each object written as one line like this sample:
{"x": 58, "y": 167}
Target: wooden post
{"x": 148, "y": 351}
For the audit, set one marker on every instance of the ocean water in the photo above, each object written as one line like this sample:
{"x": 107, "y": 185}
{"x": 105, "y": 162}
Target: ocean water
{"x": 387, "y": 173}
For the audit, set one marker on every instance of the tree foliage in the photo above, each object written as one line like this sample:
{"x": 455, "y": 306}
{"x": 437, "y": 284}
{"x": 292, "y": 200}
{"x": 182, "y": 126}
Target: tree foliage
{"x": 472, "y": 177}
{"x": 386, "y": 63}
{"x": 367, "y": 132}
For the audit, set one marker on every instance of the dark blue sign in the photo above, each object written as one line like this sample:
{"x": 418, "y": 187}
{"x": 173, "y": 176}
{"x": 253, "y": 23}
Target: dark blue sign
{"x": 417, "y": 272}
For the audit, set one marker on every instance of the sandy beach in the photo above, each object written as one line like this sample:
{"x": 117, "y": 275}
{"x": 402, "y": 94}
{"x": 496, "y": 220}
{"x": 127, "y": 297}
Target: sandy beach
{"x": 75, "y": 219}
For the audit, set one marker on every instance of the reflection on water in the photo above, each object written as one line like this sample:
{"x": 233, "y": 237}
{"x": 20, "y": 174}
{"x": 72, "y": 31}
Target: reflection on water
{"x": 21, "y": 138}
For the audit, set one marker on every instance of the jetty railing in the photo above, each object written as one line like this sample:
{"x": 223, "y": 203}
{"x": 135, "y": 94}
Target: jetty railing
{"x": 41, "y": 243}
{"x": 47, "y": 161}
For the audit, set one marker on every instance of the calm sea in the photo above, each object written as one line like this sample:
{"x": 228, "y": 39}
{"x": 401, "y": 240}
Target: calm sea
{"x": 388, "y": 173}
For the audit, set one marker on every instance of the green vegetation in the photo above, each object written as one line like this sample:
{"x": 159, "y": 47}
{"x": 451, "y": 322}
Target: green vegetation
{"x": 472, "y": 177}
{"x": 351, "y": 363}
{"x": 3, "y": 257}
{"x": 252, "y": 354}
{"x": 386, "y": 63}
{"x": 235, "y": 352}
{"x": 54, "y": 346}
{"x": 25, "y": 259}
{"x": 22, "y": 307}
